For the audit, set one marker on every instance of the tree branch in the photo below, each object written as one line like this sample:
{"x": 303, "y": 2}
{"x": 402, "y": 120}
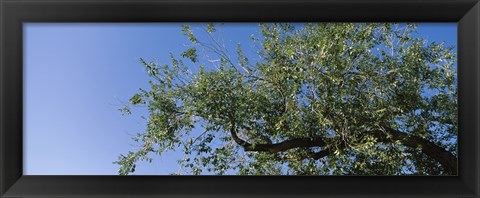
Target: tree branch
{"x": 445, "y": 158}
{"x": 442, "y": 156}
{"x": 277, "y": 147}
{"x": 439, "y": 154}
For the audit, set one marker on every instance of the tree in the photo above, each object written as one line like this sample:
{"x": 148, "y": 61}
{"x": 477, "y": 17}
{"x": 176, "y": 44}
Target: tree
{"x": 323, "y": 98}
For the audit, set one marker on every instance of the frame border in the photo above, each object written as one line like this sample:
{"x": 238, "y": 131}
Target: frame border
{"x": 13, "y": 13}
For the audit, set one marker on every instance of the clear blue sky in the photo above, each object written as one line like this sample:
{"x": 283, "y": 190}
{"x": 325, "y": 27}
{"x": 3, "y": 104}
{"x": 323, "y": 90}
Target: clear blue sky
{"x": 77, "y": 76}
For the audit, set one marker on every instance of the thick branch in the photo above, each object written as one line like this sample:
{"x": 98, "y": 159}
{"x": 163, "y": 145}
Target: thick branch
{"x": 445, "y": 158}
{"x": 439, "y": 154}
{"x": 277, "y": 147}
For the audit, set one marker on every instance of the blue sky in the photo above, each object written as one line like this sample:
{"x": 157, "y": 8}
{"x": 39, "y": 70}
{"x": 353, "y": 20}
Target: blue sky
{"x": 77, "y": 76}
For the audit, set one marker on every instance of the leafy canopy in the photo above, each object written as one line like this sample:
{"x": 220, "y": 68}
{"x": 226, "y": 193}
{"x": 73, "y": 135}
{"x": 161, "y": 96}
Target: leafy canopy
{"x": 321, "y": 99}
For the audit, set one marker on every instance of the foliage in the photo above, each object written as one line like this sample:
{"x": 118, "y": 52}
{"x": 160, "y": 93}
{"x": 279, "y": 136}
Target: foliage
{"x": 324, "y": 98}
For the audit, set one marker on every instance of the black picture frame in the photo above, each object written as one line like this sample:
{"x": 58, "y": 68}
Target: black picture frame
{"x": 13, "y": 13}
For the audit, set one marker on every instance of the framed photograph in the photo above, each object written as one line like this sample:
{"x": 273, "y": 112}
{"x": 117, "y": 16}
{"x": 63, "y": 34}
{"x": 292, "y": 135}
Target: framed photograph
{"x": 273, "y": 98}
